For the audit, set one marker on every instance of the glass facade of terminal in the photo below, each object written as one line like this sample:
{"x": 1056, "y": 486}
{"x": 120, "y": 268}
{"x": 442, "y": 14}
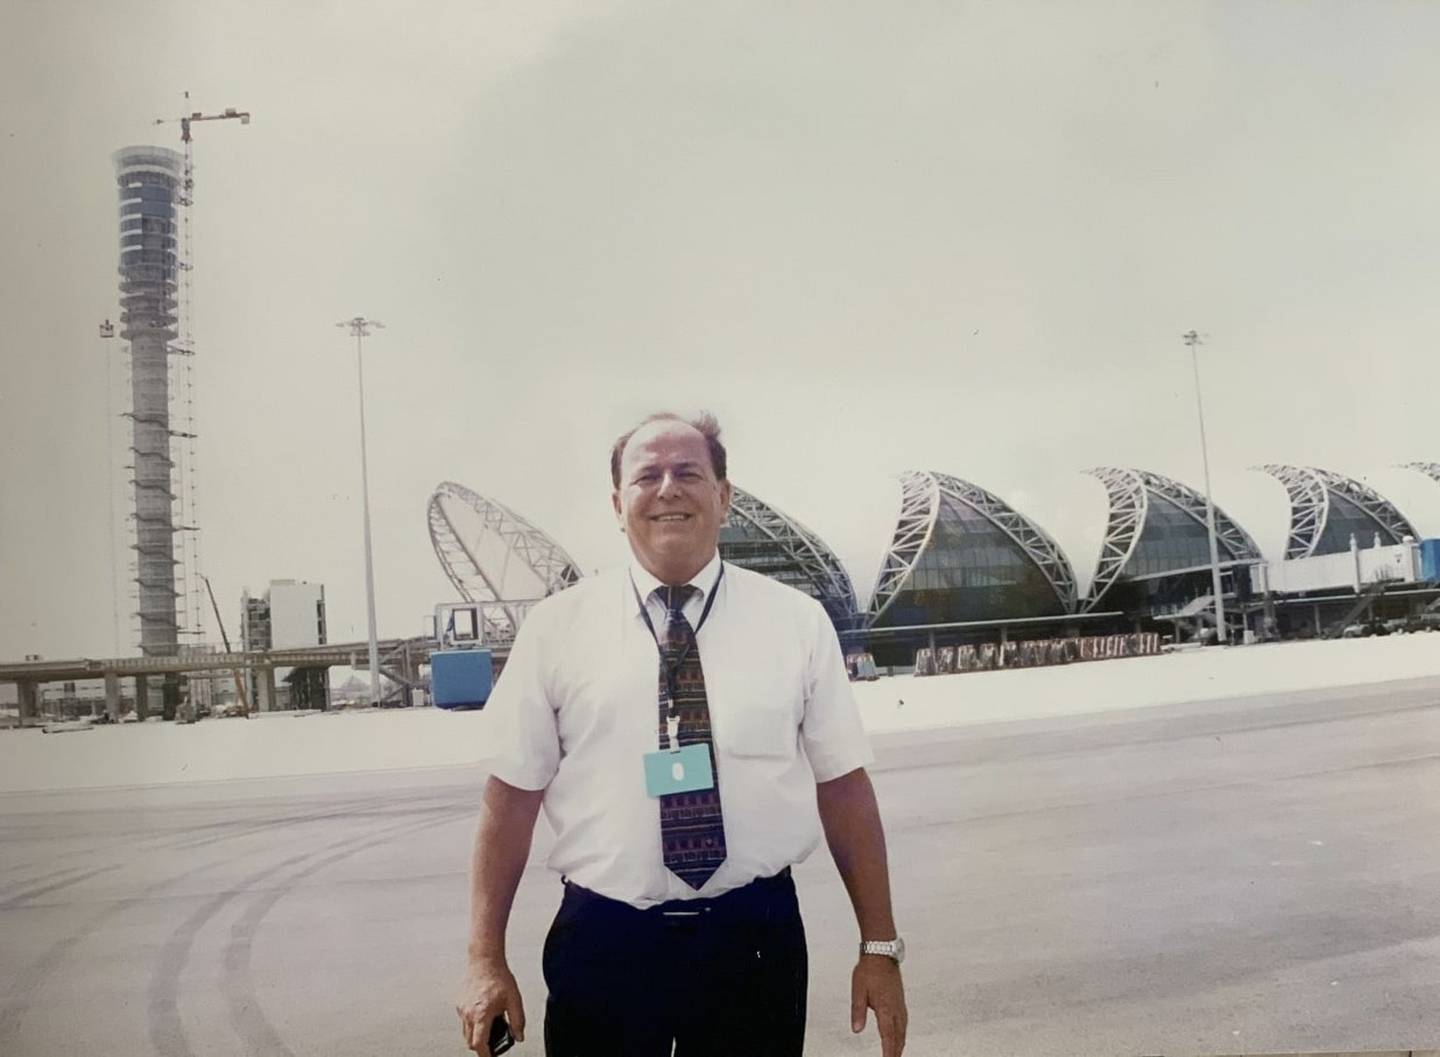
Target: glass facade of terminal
{"x": 1344, "y": 519}
{"x": 970, "y": 570}
{"x": 1171, "y": 539}
{"x": 746, "y": 545}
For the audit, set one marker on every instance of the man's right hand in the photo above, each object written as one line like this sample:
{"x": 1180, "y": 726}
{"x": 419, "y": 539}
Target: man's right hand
{"x": 489, "y": 990}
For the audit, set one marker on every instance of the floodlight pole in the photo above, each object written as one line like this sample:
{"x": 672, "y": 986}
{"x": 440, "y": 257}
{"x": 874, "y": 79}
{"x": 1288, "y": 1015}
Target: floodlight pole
{"x": 360, "y": 327}
{"x": 107, "y": 334}
{"x": 1192, "y": 339}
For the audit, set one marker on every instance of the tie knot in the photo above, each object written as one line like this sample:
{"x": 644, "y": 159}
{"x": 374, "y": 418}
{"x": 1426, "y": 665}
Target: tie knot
{"x": 675, "y": 597}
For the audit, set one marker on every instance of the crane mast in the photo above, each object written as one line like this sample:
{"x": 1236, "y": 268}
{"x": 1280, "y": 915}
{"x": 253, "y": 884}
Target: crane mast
{"x": 182, "y": 351}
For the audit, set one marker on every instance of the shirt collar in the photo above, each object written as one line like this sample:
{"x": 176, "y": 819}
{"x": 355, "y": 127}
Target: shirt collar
{"x": 704, "y": 581}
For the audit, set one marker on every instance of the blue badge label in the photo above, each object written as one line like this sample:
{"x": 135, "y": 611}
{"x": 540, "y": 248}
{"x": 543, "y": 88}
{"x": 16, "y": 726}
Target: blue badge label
{"x": 683, "y": 771}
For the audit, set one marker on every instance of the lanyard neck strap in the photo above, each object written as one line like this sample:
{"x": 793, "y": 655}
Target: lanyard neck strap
{"x": 671, "y": 669}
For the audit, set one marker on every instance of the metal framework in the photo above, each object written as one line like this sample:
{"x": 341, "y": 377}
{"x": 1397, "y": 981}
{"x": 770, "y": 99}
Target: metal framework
{"x": 1429, "y": 469}
{"x": 800, "y": 547}
{"x": 457, "y": 535}
{"x": 919, "y": 507}
{"x": 920, "y": 492}
{"x": 1128, "y": 491}
{"x": 1310, "y": 489}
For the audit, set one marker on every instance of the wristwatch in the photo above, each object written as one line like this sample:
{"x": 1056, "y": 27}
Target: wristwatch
{"x": 889, "y": 948}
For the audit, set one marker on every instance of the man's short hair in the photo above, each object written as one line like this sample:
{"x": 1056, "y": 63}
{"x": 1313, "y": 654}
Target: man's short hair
{"x": 704, "y": 423}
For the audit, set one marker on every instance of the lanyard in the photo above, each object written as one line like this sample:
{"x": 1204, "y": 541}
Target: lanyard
{"x": 670, "y": 669}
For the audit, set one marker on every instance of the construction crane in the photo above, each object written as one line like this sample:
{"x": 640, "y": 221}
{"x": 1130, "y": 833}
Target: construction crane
{"x": 228, "y": 112}
{"x": 186, "y": 120}
{"x": 184, "y": 348}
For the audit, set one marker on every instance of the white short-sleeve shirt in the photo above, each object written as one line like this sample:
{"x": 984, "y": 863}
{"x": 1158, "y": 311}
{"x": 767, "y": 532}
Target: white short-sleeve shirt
{"x": 575, "y": 710}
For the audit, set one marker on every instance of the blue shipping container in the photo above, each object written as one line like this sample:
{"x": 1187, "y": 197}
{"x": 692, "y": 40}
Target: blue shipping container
{"x": 461, "y": 678}
{"x": 1430, "y": 560}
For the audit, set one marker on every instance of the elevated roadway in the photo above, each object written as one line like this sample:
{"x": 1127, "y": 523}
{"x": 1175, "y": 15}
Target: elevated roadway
{"x": 400, "y": 659}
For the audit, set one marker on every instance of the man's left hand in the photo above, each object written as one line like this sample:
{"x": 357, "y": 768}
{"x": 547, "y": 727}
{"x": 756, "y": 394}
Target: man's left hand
{"x": 875, "y": 984}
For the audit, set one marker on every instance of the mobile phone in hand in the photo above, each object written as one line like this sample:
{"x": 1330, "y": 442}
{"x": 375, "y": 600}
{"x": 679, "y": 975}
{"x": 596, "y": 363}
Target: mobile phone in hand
{"x": 500, "y": 1037}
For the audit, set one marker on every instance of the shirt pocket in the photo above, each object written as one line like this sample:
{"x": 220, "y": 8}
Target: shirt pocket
{"x": 760, "y": 732}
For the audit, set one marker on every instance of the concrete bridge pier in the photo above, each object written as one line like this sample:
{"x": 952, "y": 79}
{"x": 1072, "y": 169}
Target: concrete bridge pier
{"x": 28, "y": 695}
{"x": 265, "y": 688}
{"x": 112, "y": 696}
{"x": 142, "y": 697}
{"x": 169, "y": 695}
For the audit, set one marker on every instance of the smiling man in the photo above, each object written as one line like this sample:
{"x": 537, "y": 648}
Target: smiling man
{"x": 689, "y": 729}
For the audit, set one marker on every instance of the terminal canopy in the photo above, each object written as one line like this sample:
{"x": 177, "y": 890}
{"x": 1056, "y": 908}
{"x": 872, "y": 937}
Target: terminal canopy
{"x": 1327, "y": 508}
{"x": 492, "y": 554}
{"x": 759, "y": 537}
{"x": 1158, "y": 528}
{"x": 960, "y": 553}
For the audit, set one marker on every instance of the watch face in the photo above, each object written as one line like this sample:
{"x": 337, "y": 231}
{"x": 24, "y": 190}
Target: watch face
{"x": 899, "y": 950}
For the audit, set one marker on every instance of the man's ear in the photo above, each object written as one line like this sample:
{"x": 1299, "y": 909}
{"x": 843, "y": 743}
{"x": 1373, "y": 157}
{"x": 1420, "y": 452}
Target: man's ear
{"x": 619, "y": 514}
{"x": 725, "y": 491}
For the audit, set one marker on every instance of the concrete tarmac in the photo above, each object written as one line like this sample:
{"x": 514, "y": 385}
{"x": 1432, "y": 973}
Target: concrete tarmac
{"x": 1245, "y": 876}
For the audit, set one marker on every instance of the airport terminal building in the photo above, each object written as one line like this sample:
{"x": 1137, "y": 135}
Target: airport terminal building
{"x": 964, "y": 568}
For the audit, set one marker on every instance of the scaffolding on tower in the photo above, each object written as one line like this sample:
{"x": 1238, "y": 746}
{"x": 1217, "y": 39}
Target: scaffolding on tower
{"x": 189, "y": 567}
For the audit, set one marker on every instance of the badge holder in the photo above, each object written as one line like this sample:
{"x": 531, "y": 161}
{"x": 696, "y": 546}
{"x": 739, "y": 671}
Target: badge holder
{"x": 677, "y": 770}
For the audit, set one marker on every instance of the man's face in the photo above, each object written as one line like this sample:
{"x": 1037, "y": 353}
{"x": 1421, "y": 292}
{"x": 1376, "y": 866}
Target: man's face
{"x": 669, "y": 501}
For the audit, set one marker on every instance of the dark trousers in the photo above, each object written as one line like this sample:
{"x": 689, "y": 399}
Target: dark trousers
{"x": 715, "y": 976}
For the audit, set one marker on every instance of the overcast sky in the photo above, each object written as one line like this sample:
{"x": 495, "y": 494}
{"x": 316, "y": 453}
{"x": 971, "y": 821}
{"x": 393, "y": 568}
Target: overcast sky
{"x": 869, "y": 236}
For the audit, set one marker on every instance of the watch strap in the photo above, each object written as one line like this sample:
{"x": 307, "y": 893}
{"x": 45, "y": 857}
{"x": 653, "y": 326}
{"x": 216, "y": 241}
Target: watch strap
{"x": 886, "y": 948}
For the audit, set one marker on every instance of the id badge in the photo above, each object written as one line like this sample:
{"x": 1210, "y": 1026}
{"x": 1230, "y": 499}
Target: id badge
{"x": 682, "y": 771}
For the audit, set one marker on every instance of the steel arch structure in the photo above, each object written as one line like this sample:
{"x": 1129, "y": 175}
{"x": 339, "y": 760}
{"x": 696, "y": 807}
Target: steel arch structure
{"x": 798, "y": 550}
{"x": 919, "y": 506}
{"x": 465, "y": 530}
{"x": 1310, "y": 490}
{"x": 1128, "y": 491}
{"x": 920, "y": 494}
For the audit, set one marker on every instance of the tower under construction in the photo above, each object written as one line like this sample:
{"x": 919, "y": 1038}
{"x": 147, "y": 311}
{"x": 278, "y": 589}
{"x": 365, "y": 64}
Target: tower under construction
{"x": 151, "y": 183}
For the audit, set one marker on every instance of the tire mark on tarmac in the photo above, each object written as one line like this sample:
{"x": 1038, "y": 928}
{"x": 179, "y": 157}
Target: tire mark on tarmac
{"x": 25, "y": 983}
{"x": 32, "y": 893}
{"x": 44, "y": 876}
{"x": 247, "y": 1018}
{"x": 209, "y": 833}
{"x": 167, "y": 1034}
{"x": 89, "y": 849}
{"x": 243, "y": 827}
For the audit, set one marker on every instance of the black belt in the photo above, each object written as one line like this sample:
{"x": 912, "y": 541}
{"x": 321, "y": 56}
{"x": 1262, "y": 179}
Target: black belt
{"x": 758, "y": 893}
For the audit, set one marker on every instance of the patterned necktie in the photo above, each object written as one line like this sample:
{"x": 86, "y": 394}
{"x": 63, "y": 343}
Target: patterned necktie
{"x": 692, "y": 829}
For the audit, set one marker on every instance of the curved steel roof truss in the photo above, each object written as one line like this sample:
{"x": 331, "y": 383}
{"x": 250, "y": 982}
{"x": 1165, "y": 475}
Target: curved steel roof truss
{"x": 1228, "y": 534}
{"x": 1129, "y": 492}
{"x": 522, "y": 541}
{"x": 1129, "y": 503}
{"x": 801, "y": 546}
{"x": 919, "y": 506}
{"x": 1379, "y": 509}
{"x": 1310, "y": 489}
{"x": 920, "y": 493}
{"x": 1028, "y": 536}
{"x": 1309, "y": 507}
